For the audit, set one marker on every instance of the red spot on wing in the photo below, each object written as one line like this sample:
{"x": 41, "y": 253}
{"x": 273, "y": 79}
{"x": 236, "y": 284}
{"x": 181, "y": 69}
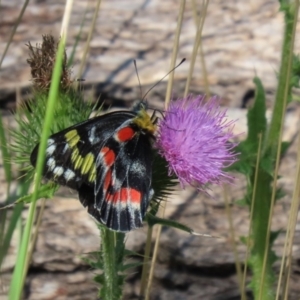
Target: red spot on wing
{"x": 125, "y": 134}
{"x": 125, "y": 194}
{"x": 114, "y": 198}
{"x": 109, "y": 156}
{"x": 135, "y": 195}
{"x": 107, "y": 180}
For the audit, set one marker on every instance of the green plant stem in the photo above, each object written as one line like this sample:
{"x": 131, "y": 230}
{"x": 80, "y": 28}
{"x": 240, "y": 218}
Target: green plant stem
{"x": 145, "y": 271}
{"x": 262, "y": 256}
{"x": 110, "y": 287}
{"x": 284, "y": 75}
{"x": 22, "y": 189}
{"x": 261, "y": 208}
{"x": 20, "y": 271}
{"x": 255, "y": 175}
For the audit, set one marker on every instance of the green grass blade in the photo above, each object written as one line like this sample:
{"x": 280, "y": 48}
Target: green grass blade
{"x": 78, "y": 36}
{"x": 14, "y": 31}
{"x": 19, "y": 273}
{"x": 17, "y": 210}
{"x": 6, "y": 158}
{"x": 13, "y": 220}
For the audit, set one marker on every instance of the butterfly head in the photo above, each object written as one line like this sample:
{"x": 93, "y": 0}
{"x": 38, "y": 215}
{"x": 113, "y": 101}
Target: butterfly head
{"x": 142, "y": 119}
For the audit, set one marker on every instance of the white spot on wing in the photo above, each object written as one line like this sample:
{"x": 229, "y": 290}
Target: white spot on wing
{"x": 115, "y": 181}
{"x": 50, "y": 142}
{"x": 92, "y": 137}
{"x": 51, "y": 163}
{"x": 138, "y": 168}
{"x": 151, "y": 194}
{"x": 65, "y": 148}
{"x": 50, "y": 149}
{"x": 58, "y": 171}
{"x": 69, "y": 174}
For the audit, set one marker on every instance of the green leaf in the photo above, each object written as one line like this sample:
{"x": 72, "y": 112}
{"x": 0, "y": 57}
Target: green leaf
{"x": 244, "y": 239}
{"x": 280, "y": 193}
{"x": 45, "y": 191}
{"x": 284, "y": 148}
{"x": 94, "y": 259}
{"x": 241, "y": 202}
{"x": 132, "y": 265}
{"x": 257, "y": 122}
{"x": 274, "y": 235}
{"x": 6, "y": 159}
{"x": 153, "y": 220}
{"x": 267, "y": 164}
{"x": 246, "y": 160}
{"x": 162, "y": 184}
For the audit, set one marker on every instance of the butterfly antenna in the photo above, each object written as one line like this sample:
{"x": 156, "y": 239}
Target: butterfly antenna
{"x": 137, "y": 75}
{"x": 163, "y": 78}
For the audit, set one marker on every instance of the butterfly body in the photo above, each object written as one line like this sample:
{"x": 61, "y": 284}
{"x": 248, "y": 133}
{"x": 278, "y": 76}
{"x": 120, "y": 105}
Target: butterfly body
{"x": 108, "y": 160}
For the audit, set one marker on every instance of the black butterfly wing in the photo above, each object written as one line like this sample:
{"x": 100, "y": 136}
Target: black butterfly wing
{"x": 123, "y": 189}
{"x": 71, "y": 153}
{"x": 115, "y": 189}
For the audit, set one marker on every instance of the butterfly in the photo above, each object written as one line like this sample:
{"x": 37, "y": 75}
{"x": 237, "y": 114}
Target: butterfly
{"x": 108, "y": 160}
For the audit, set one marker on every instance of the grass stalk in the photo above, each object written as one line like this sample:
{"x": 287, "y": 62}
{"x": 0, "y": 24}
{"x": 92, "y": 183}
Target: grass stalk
{"x": 175, "y": 52}
{"x": 197, "y": 43}
{"x": 238, "y": 266}
{"x": 14, "y": 31}
{"x": 146, "y": 263}
{"x": 20, "y": 271}
{"x": 89, "y": 38}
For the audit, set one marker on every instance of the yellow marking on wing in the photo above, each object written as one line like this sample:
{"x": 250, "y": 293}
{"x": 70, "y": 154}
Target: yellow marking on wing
{"x": 144, "y": 121}
{"x": 92, "y": 176}
{"x": 76, "y": 158}
{"x": 78, "y": 162}
{"x": 72, "y": 137}
{"x": 87, "y": 163}
{"x": 75, "y": 153}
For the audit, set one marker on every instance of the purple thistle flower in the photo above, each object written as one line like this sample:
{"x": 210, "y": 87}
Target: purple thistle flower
{"x": 194, "y": 139}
